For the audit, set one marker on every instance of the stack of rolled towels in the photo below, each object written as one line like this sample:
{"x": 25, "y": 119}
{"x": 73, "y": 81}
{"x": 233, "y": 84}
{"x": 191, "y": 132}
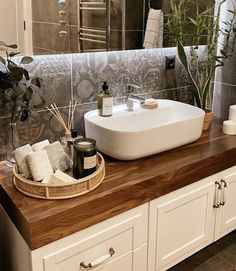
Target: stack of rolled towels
{"x": 43, "y": 162}
{"x": 229, "y": 126}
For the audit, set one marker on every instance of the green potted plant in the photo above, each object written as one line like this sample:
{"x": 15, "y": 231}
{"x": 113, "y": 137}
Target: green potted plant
{"x": 186, "y": 28}
{"x": 18, "y": 93}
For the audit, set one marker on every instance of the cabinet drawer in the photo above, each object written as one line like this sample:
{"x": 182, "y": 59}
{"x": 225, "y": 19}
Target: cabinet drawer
{"x": 133, "y": 260}
{"x": 126, "y": 234}
{"x": 226, "y": 213}
{"x": 181, "y": 223}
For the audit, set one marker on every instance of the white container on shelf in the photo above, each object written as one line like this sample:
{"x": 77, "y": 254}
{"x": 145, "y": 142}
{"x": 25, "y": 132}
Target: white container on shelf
{"x": 232, "y": 113}
{"x": 229, "y": 127}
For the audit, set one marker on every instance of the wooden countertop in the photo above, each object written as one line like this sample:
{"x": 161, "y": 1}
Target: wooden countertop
{"x": 127, "y": 185}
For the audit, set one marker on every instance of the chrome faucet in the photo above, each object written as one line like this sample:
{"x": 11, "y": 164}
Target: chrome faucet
{"x": 131, "y": 97}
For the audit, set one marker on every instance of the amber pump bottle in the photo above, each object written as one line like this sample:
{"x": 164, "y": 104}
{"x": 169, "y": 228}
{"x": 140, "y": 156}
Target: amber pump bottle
{"x": 105, "y": 101}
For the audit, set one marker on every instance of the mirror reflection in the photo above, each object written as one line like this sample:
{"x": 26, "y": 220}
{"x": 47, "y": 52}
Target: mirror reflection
{"x": 72, "y": 26}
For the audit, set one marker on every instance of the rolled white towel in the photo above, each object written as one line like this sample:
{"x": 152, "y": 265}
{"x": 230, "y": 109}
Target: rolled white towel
{"x": 20, "y": 156}
{"x": 40, "y": 165}
{"x": 57, "y": 156}
{"x": 40, "y": 145}
{"x": 154, "y": 29}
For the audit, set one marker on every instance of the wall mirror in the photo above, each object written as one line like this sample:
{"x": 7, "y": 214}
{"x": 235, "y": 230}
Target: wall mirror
{"x": 73, "y": 26}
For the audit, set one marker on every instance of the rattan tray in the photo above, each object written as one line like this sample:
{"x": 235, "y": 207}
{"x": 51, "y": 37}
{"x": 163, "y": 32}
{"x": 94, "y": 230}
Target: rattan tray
{"x": 70, "y": 190}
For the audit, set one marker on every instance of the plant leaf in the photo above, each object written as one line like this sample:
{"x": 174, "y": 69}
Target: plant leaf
{"x": 17, "y": 73}
{"x": 37, "y": 101}
{"x": 182, "y": 55}
{"x": 13, "y": 54}
{"x": 19, "y": 89}
{"x": 193, "y": 21}
{"x": 26, "y": 74}
{"x": 183, "y": 59}
{"x": 9, "y": 94}
{"x": 23, "y": 115}
{"x": 13, "y": 46}
{"x": 2, "y": 60}
{"x": 28, "y": 94}
{"x": 205, "y": 91}
{"x": 26, "y": 60}
{"x": 37, "y": 82}
{"x": 11, "y": 64}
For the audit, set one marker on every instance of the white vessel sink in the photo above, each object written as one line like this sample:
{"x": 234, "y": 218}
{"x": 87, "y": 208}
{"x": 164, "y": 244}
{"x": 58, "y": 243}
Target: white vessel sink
{"x": 143, "y": 132}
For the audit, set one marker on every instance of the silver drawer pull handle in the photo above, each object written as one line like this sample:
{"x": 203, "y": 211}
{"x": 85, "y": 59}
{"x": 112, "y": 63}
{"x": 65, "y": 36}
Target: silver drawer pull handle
{"x": 98, "y": 261}
{"x": 217, "y": 197}
{"x": 223, "y": 198}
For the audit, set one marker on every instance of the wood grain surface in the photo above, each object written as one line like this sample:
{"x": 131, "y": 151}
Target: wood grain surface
{"x": 127, "y": 184}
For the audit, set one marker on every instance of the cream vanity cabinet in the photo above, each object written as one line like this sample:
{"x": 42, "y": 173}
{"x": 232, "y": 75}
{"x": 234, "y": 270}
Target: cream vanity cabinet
{"x": 152, "y": 237}
{"x": 119, "y": 243}
{"x": 187, "y": 220}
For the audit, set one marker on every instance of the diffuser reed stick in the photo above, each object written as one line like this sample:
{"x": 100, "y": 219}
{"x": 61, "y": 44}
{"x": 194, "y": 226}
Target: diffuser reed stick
{"x": 53, "y": 109}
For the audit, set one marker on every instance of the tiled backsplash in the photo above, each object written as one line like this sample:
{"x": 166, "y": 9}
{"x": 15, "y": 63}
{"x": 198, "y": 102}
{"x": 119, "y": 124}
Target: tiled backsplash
{"x": 80, "y": 75}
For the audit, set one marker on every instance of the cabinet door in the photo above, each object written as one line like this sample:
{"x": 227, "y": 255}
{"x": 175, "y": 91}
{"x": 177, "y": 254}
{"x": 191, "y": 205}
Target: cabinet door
{"x": 181, "y": 223}
{"x": 126, "y": 234}
{"x": 226, "y": 213}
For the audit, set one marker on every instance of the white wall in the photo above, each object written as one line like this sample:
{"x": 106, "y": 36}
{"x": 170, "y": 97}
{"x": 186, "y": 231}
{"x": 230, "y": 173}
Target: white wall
{"x": 8, "y": 27}
{"x": 13, "y": 13}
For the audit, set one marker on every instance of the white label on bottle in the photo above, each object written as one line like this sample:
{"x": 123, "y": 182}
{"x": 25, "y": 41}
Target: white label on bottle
{"x": 107, "y": 104}
{"x": 90, "y": 162}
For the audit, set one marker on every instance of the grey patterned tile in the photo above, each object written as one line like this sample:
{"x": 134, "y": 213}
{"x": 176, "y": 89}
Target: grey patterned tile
{"x": 38, "y": 127}
{"x": 85, "y": 83}
{"x": 119, "y": 69}
{"x": 154, "y": 70}
{"x": 181, "y": 77}
{"x": 55, "y": 70}
{"x": 79, "y": 115}
{"x": 181, "y": 94}
{"x": 184, "y": 95}
{"x": 164, "y": 94}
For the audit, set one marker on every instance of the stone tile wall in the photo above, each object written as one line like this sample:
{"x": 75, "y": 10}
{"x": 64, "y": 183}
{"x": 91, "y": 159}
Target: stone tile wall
{"x": 225, "y": 79}
{"x": 225, "y": 88}
{"x": 79, "y": 76}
